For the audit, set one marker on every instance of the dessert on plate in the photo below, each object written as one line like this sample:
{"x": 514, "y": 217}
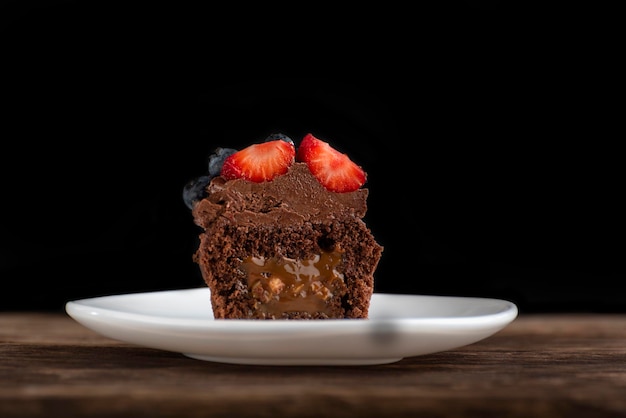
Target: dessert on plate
{"x": 282, "y": 231}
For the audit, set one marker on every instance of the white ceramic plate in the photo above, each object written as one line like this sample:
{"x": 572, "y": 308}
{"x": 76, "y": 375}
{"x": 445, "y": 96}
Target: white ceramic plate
{"x": 399, "y": 326}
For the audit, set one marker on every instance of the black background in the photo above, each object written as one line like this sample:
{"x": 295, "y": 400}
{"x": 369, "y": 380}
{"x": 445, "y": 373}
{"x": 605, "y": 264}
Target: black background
{"x": 483, "y": 127}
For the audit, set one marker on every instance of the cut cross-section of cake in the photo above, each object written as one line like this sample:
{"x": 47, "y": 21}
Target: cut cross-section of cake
{"x": 282, "y": 232}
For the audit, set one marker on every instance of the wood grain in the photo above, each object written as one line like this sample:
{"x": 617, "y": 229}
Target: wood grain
{"x": 556, "y": 365}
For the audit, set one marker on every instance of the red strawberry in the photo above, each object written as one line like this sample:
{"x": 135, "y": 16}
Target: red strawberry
{"x": 259, "y": 162}
{"x": 332, "y": 168}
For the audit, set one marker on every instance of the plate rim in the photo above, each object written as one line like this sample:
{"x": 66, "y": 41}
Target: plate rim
{"x": 508, "y": 312}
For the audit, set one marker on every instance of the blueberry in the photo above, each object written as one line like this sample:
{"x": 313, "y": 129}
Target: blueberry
{"x": 195, "y": 190}
{"x": 282, "y": 137}
{"x": 216, "y": 160}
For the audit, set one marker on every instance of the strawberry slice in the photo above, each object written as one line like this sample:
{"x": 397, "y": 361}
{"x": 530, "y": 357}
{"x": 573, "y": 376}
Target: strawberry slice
{"x": 333, "y": 169}
{"x": 259, "y": 162}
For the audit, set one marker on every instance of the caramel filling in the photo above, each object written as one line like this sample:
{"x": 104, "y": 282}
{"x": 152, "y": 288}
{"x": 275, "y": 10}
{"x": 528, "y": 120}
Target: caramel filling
{"x": 281, "y": 285}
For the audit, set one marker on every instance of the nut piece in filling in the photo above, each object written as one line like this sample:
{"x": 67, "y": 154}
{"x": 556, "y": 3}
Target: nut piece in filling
{"x": 289, "y": 285}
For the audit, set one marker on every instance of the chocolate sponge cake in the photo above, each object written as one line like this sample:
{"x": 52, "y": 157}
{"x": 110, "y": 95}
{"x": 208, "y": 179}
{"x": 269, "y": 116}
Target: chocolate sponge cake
{"x": 282, "y": 234}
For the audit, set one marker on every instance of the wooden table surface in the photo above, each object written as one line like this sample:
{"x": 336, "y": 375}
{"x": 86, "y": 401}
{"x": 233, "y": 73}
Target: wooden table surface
{"x": 541, "y": 365}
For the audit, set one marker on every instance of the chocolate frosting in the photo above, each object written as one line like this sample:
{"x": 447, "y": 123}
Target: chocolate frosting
{"x": 296, "y": 196}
